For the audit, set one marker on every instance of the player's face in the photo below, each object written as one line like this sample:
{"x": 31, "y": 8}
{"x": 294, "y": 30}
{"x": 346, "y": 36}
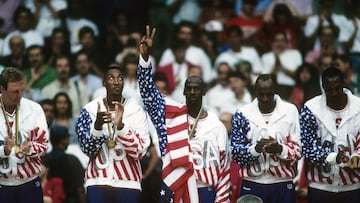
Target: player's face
{"x": 114, "y": 81}
{"x": 14, "y": 92}
{"x": 193, "y": 90}
{"x": 333, "y": 87}
{"x": 265, "y": 94}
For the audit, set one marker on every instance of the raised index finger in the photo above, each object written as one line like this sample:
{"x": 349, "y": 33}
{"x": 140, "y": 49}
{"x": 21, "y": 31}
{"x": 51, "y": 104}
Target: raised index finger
{"x": 147, "y": 32}
{"x": 153, "y": 33}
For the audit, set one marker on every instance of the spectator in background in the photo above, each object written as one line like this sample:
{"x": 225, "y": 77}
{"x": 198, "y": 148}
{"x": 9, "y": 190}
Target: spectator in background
{"x": 75, "y": 20}
{"x": 118, "y": 32}
{"x": 328, "y": 45}
{"x": 39, "y": 74}
{"x": 241, "y": 95}
{"x": 245, "y": 68}
{"x": 215, "y": 10}
{"x": 307, "y": 84}
{"x": 161, "y": 83}
{"x": 185, "y": 31}
{"x": 76, "y": 90}
{"x": 7, "y": 10}
{"x": 282, "y": 62}
{"x": 343, "y": 62}
{"x": 176, "y": 71}
{"x": 324, "y": 62}
{"x": 260, "y": 9}
{"x": 23, "y": 20}
{"x": 351, "y": 40}
{"x": 218, "y": 98}
{"x": 238, "y": 51}
{"x": 46, "y": 14}
{"x": 96, "y": 56}
{"x": 63, "y": 115}
{"x": 48, "y": 107}
{"x": 131, "y": 47}
{"x": 282, "y": 17}
{"x": 131, "y": 85}
{"x": 65, "y": 166}
{"x": 83, "y": 69}
{"x": 251, "y": 25}
{"x": 59, "y": 44}
{"x": 16, "y": 58}
{"x": 330, "y": 141}
{"x": 52, "y": 187}
{"x": 185, "y": 10}
{"x": 325, "y": 18}
{"x": 213, "y": 17}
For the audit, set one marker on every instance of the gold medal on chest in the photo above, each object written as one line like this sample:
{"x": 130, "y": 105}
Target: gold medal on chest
{"x": 17, "y": 149}
{"x": 111, "y": 144}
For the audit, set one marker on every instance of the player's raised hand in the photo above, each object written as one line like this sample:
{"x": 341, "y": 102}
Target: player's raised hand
{"x": 119, "y": 111}
{"x": 101, "y": 118}
{"x": 147, "y": 42}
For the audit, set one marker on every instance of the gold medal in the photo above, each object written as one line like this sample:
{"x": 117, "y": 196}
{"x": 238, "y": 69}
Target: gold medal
{"x": 111, "y": 144}
{"x": 17, "y": 149}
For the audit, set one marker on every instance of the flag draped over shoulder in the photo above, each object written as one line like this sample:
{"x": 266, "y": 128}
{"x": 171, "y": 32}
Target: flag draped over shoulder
{"x": 178, "y": 171}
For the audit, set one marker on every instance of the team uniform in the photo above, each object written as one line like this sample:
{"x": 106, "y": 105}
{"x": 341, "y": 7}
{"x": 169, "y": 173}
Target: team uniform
{"x": 209, "y": 156}
{"x": 118, "y": 167}
{"x": 265, "y": 174}
{"x": 19, "y": 180}
{"x": 323, "y": 132}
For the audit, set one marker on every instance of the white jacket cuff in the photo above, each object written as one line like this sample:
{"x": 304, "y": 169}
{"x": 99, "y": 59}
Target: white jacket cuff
{"x": 143, "y": 63}
{"x": 253, "y": 151}
{"x": 284, "y": 152}
{"x": 97, "y": 133}
{"x": 331, "y": 158}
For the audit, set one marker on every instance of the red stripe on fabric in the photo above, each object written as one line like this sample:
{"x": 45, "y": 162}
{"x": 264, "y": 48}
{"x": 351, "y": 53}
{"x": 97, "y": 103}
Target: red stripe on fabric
{"x": 343, "y": 179}
{"x": 177, "y": 145}
{"x": 125, "y": 171}
{"x": 177, "y": 128}
{"x": 180, "y": 184}
{"x": 117, "y": 171}
{"x": 174, "y": 111}
{"x": 31, "y": 167}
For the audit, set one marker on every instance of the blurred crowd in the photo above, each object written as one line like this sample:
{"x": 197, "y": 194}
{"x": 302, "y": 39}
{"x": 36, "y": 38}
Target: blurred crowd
{"x": 64, "y": 47}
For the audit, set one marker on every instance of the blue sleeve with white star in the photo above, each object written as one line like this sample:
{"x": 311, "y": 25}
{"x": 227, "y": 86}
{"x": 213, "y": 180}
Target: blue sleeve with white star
{"x": 312, "y": 148}
{"x": 89, "y": 143}
{"x": 239, "y": 143}
{"x": 154, "y": 104}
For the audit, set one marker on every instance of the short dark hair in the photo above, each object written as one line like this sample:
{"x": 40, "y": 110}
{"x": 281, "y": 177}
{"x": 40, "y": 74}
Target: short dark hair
{"x": 344, "y": 58}
{"x": 19, "y": 10}
{"x": 35, "y": 46}
{"x": 113, "y": 65}
{"x": 84, "y": 30}
{"x": 235, "y": 29}
{"x": 58, "y": 133}
{"x": 266, "y": 77}
{"x": 332, "y": 72}
{"x": 194, "y": 77}
{"x": 46, "y": 101}
{"x": 10, "y": 74}
{"x": 236, "y": 74}
{"x": 279, "y": 33}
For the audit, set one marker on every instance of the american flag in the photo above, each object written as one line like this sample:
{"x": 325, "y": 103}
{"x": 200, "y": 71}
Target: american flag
{"x": 179, "y": 183}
